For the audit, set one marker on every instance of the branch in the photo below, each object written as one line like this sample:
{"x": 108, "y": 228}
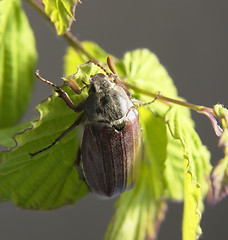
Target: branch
{"x": 167, "y": 99}
{"x": 76, "y": 44}
{"x": 70, "y": 38}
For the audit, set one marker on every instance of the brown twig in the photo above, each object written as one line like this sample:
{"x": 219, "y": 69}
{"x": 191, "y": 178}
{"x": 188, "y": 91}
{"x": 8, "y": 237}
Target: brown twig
{"x": 170, "y": 100}
{"x": 70, "y": 38}
{"x": 76, "y": 44}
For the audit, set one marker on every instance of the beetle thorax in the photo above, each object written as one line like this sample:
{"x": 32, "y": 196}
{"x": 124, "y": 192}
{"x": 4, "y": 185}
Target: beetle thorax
{"x": 107, "y": 101}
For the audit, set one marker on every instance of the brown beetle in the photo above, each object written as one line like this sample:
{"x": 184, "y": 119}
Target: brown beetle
{"x": 110, "y": 148}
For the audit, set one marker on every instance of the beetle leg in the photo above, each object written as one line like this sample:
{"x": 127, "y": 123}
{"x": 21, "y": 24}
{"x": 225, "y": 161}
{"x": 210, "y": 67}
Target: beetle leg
{"x": 62, "y": 94}
{"x": 139, "y": 103}
{"x": 121, "y": 84}
{"x": 78, "y": 120}
{"x": 67, "y": 99}
{"x": 78, "y": 167}
{"x": 69, "y": 102}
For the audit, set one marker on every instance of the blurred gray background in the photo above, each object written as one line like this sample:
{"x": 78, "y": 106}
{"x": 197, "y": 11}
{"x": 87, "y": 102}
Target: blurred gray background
{"x": 190, "y": 38}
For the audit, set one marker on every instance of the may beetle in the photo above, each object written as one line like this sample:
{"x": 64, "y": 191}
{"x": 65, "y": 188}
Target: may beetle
{"x": 110, "y": 148}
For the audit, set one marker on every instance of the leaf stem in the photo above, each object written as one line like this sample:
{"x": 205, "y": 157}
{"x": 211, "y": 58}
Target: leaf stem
{"x": 76, "y": 44}
{"x": 70, "y": 38}
{"x": 198, "y": 108}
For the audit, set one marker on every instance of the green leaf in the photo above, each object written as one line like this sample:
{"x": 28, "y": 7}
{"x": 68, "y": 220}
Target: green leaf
{"x": 140, "y": 211}
{"x": 154, "y": 149}
{"x": 61, "y": 13}
{"x": 7, "y": 133}
{"x": 49, "y": 179}
{"x": 17, "y": 62}
{"x": 175, "y": 164}
{"x": 192, "y": 214}
{"x": 72, "y": 58}
{"x": 143, "y": 69}
{"x": 196, "y": 170}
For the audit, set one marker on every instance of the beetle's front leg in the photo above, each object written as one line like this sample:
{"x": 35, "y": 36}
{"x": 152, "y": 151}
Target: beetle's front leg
{"x": 76, "y": 123}
{"x": 63, "y": 94}
{"x": 69, "y": 102}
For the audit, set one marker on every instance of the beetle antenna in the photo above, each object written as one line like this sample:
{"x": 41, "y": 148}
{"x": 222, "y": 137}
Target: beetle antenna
{"x": 111, "y": 65}
{"x": 45, "y": 80}
{"x": 99, "y": 65}
{"x": 63, "y": 94}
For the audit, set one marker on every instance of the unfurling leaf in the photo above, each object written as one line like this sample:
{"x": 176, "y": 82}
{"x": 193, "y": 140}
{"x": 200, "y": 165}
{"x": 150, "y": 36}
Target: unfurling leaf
{"x": 219, "y": 178}
{"x": 219, "y": 175}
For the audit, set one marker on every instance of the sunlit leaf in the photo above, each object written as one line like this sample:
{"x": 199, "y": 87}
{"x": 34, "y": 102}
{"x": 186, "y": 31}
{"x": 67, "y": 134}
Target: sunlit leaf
{"x": 196, "y": 170}
{"x": 140, "y": 211}
{"x": 17, "y": 62}
{"x": 6, "y": 134}
{"x": 61, "y": 13}
{"x": 73, "y": 58}
{"x": 175, "y": 164}
{"x": 49, "y": 179}
{"x": 143, "y": 69}
{"x": 192, "y": 212}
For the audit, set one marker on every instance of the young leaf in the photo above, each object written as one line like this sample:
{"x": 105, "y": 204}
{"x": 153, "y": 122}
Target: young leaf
{"x": 142, "y": 68}
{"x": 219, "y": 175}
{"x": 196, "y": 170}
{"x": 61, "y": 13}
{"x": 175, "y": 163}
{"x": 219, "y": 178}
{"x": 17, "y": 62}
{"x": 140, "y": 211}
{"x": 73, "y": 58}
{"x": 192, "y": 214}
{"x": 7, "y": 133}
{"x": 49, "y": 179}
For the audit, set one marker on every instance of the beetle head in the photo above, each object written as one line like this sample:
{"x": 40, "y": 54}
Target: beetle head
{"x": 100, "y": 83}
